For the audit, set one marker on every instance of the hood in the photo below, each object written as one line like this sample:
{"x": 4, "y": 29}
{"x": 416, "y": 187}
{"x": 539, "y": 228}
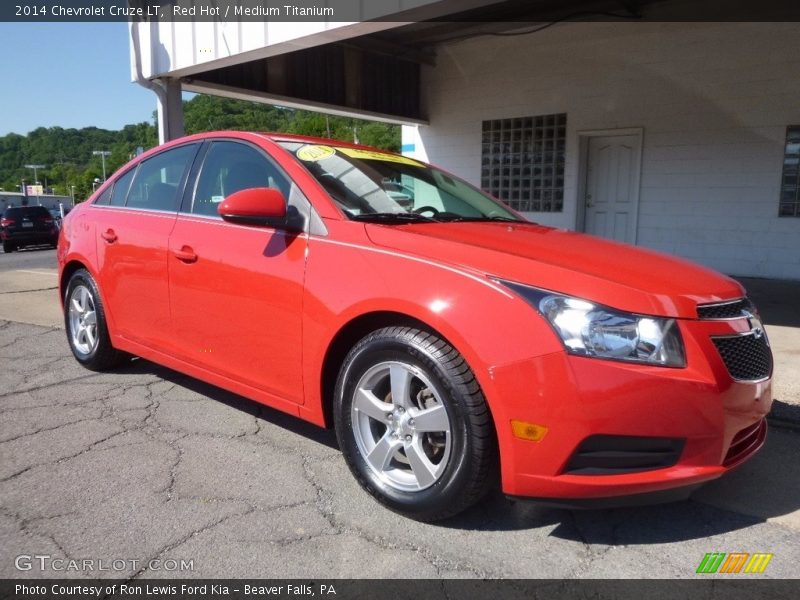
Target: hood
{"x": 603, "y": 271}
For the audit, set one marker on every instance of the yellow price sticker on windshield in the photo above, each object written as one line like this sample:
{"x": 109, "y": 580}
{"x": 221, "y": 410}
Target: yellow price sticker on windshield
{"x": 314, "y": 153}
{"x": 372, "y": 155}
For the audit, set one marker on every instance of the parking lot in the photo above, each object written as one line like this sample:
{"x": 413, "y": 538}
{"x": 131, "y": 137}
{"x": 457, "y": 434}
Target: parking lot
{"x": 144, "y": 464}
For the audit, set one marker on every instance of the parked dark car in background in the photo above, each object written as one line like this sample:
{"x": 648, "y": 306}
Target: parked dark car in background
{"x": 27, "y": 226}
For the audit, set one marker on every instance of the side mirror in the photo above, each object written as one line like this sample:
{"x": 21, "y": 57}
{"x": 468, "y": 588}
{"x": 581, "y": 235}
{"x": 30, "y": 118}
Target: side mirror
{"x": 254, "y": 206}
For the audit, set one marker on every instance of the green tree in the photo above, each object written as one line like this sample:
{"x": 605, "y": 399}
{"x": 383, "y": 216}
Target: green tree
{"x": 67, "y": 153}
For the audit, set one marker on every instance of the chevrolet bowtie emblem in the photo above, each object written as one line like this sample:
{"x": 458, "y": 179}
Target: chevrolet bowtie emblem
{"x": 756, "y": 327}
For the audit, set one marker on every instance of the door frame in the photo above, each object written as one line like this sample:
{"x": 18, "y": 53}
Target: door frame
{"x": 584, "y": 137}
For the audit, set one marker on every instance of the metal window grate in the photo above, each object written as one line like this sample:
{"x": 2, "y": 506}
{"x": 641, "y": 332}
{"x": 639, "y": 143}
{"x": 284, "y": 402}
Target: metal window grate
{"x": 522, "y": 161}
{"x": 790, "y": 178}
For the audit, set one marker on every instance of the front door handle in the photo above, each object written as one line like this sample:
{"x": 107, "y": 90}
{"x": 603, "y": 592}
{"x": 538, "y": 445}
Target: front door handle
{"x": 109, "y": 236}
{"x": 185, "y": 254}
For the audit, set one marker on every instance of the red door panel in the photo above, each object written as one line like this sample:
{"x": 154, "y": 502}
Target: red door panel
{"x": 132, "y": 261}
{"x": 236, "y": 293}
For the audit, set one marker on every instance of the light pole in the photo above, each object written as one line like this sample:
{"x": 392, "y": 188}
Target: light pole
{"x": 35, "y": 169}
{"x": 95, "y": 183}
{"x": 73, "y": 194}
{"x": 103, "y": 154}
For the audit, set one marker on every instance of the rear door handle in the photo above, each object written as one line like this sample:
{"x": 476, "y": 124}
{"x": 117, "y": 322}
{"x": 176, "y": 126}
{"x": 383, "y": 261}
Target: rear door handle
{"x": 109, "y": 236}
{"x": 185, "y": 254}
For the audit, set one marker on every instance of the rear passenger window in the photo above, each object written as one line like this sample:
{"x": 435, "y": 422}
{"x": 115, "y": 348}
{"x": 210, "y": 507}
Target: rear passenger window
{"x": 121, "y": 188}
{"x": 156, "y": 183}
{"x": 105, "y": 197}
{"x": 230, "y": 167}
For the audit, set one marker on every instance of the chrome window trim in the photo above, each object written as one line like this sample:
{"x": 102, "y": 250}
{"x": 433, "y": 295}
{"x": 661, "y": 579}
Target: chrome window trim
{"x": 133, "y": 209}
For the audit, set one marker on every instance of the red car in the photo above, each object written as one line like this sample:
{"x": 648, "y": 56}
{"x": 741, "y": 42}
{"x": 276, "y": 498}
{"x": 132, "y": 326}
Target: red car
{"x": 449, "y": 341}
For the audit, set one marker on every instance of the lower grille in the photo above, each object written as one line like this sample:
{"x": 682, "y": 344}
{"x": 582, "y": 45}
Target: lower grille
{"x": 747, "y": 357}
{"x": 619, "y": 454}
{"x": 746, "y": 442}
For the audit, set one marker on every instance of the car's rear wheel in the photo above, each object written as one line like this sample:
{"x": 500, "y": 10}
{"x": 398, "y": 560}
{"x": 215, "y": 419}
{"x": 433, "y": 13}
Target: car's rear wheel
{"x": 86, "y": 327}
{"x": 413, "y": 424}
{"x": 8, "y": 247}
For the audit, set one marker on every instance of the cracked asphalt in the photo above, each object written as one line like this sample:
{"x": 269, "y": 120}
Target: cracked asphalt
{"x": 144, "y": 463}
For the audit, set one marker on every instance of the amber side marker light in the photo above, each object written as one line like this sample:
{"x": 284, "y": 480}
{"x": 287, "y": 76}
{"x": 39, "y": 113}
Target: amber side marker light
{"x": 528, "y": 431}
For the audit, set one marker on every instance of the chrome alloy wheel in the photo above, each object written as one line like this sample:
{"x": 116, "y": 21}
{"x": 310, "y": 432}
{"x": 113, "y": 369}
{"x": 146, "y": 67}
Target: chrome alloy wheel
{"x": 401, "y": 426}
{"x": 82, "y": 320}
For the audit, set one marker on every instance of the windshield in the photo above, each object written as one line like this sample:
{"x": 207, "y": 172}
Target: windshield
{"x": 377, "y": 186}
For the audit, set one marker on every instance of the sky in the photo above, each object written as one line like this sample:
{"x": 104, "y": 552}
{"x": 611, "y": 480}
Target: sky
{"x": 68, "y": 75}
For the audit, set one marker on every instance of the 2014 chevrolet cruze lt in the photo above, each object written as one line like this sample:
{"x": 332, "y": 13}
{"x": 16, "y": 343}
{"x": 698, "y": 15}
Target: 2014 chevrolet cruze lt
{"x": 448, "y": 340}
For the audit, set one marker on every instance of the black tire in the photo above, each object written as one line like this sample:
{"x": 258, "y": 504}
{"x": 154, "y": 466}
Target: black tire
{"x": 471, "y": 468}
{"x": 8, "y": 247}
{"x": 102, "y": 355}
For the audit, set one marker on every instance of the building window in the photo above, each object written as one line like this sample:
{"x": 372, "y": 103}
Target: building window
{"x": 790, "y": 179}
{"x": 522, "y": 161}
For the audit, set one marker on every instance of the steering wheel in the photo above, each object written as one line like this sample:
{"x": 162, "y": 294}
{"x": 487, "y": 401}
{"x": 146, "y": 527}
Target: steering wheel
{"x": 431, "y": 209}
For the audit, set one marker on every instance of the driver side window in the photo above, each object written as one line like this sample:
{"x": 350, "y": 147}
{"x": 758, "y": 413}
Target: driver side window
{"x": 230, "y": 167}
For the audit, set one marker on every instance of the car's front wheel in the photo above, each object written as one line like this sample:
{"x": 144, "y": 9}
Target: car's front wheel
{"x": 413, "y": 424}
{"x": 85, "y": 321}
{"x": 8, "y": 247}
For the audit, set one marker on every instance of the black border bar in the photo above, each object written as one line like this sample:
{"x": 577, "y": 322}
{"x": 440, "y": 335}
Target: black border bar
{"x": 735, "y": 587}
{"x": 463, "y": 11}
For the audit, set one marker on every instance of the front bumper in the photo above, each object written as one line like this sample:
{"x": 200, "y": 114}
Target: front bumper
{"x": 720, "y": 421}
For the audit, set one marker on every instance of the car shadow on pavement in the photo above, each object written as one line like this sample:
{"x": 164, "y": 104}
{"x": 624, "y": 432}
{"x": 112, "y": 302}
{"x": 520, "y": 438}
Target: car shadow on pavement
{"x": 319, "y": 435}
{"x": 658, "y": 524}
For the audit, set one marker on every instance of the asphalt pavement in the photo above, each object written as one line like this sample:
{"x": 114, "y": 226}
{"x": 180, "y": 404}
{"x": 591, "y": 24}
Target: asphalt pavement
{"x": 143, "y": 465}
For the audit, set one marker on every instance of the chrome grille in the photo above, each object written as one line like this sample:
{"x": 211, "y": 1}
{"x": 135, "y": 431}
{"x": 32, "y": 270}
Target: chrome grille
{"x": 747, "y": 357}
{"x": 725, "y": 310}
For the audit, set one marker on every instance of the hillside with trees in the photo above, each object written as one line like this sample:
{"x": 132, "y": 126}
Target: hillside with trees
{"x": 67, "y": 153}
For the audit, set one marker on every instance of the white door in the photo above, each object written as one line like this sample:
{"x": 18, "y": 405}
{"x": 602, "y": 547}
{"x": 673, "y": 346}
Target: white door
{"x": 612, "y": 186}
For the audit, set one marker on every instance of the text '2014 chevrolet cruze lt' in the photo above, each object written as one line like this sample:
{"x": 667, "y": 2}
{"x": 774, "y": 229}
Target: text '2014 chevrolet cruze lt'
{"x": 453, "y": 345}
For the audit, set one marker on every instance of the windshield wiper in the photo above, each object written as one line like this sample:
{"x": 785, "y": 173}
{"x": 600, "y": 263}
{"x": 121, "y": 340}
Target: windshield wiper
{"x": 404, "y": 217}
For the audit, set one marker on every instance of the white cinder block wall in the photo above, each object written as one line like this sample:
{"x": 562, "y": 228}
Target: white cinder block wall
{"x": 713, "y": 99}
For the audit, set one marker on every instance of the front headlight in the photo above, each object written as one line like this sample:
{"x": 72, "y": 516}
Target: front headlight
{"x": 589, "y": 329}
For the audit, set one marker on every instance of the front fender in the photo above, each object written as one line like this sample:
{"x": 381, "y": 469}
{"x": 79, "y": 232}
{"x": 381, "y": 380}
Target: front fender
{"x": 489, "y": 325}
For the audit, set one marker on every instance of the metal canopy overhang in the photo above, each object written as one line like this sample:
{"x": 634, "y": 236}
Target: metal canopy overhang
{"x": 337, "y": 77}
{"x": 377, "y": 74}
